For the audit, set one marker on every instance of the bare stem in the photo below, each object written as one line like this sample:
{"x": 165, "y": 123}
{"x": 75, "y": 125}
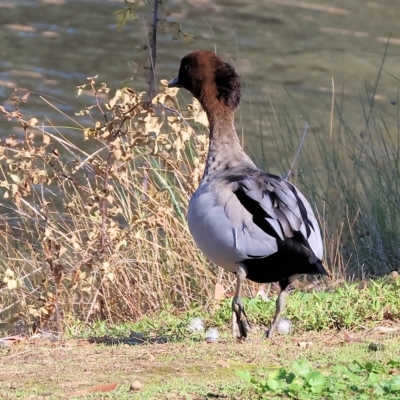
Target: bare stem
{"x": 153, "y": 45}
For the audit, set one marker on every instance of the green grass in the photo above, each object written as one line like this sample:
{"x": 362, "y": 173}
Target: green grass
{"x": 355, "y": 307}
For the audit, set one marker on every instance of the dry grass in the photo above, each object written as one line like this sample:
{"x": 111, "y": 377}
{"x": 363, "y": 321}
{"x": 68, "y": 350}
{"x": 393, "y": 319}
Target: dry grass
{"x": 101, "y": 235}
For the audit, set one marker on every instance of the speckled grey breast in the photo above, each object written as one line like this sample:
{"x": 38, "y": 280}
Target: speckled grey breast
{"x": 225, "y": 239}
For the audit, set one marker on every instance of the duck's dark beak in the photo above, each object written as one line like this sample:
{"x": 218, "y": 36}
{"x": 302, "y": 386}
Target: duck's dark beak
{"x": 174, "y": 83}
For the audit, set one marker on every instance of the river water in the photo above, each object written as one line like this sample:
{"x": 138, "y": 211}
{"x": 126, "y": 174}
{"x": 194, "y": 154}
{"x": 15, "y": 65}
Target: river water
{"x": 289, "y": 53}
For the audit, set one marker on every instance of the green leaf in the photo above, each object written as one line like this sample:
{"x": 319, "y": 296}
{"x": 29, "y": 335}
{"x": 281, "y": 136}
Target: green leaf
{"x": 301, "y": 368}
{"x": 373, "y": 377}
{"x": 315, "y": 378}
{"x": 355, "y": 367}
{"x": 378, "y": 391}
{"x": 340, "y": 369}
{"x": 121, "y": 19}
{"x": 394, "y": 363}
{"x": 296, "y": 386}
{"x": 273, "y": 384}
{"x": 245, "y": 375}
{"x": 394, "y": 384}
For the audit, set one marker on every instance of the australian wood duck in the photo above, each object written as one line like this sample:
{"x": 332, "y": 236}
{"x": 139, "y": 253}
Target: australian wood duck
{"x": 245, "y": 220}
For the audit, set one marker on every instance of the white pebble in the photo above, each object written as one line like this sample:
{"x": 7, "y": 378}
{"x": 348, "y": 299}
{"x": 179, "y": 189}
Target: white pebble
{"x": 212, "y": 335}
{"x": 284, "y": 326}
{"x": 196, "y": 325}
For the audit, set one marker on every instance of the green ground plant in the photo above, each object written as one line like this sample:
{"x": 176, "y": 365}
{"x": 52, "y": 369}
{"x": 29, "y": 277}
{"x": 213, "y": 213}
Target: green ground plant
{"x": 361, "y": 381}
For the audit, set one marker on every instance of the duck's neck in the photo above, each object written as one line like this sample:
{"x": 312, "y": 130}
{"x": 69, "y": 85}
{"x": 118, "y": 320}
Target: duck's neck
{"x": 225, "y": 151}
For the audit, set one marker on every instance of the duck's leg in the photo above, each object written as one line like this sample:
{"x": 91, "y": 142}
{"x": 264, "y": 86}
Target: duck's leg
{"x": 240, "y": 323}
{"x": 280, "y": 305}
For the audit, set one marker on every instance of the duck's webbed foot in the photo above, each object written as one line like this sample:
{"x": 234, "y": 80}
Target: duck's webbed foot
{"x": 240, "y": 322}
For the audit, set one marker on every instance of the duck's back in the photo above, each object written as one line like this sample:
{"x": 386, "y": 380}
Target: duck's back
{"x": 246, "y": 215}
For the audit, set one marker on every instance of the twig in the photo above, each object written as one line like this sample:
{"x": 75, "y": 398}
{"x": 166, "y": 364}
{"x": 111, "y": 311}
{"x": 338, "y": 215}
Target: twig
{"x": 126, "y": 116}
{"x": 175, "y": 112}
{"x": 298, "y": 151}
{"x": 145, "y": 181}
{"x": 332, "y": 109}
{"x": 17, "y": 354}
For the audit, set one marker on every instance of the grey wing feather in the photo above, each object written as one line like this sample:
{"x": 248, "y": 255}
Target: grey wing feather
{"x": 277, "y": 209}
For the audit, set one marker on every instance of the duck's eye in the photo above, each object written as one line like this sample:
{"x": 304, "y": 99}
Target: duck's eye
{"x": 188, "y": 68}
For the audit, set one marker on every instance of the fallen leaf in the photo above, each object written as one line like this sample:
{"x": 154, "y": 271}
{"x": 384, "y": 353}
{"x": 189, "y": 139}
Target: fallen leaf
{"x": 219, "y": 291}
{"x": 99, "y": 388}
{"x": 223, "y": 363}
{"x": 348, "y": 337}
{"x": 304, "y": 345}
{"x": 11, "y": 340}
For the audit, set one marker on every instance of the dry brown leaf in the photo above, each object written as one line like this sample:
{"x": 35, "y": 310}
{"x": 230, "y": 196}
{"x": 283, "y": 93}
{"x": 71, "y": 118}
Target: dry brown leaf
{"x": 62, "y": 251}
{"x": 11, "y": 340}
{"x": 219, "y": 291}
{"x": 348, "y": 337}
{"x": 32, "y": 122}
{"x": 46, "y": 139}
{"x": 304, "y": 345}
{"x": 93, "y": 389}
{"x": 117, "y": 154}
{"x": 223, "y": 363}
{"x": 25, "y": 96}
{"x": 11, "y": 141}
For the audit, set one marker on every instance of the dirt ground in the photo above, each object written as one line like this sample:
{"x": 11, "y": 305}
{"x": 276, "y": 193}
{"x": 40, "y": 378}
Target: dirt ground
{"x": 188, "y": 369}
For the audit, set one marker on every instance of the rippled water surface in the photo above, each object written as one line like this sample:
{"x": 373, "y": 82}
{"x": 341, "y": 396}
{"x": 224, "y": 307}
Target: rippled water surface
{"x": 288, "y": 52}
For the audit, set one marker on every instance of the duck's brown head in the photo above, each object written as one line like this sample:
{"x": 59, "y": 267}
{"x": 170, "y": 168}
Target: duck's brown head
{"x": 209, "y": 79}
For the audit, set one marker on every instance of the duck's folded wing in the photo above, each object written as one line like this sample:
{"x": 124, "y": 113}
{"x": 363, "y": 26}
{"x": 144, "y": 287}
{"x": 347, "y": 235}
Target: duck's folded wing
{"x": 281, "y": 211}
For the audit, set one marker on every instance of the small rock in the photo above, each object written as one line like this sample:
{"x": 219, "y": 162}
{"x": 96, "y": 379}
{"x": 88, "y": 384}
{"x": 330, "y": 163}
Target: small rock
{"x": 196, "y": 325}
{"x": 136, "y": 385}
{"x": 212, "y": 335}
{"x": 374, "y": 346}
{"x": 284, "y": 326}
{"x": 394, "y": 275}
